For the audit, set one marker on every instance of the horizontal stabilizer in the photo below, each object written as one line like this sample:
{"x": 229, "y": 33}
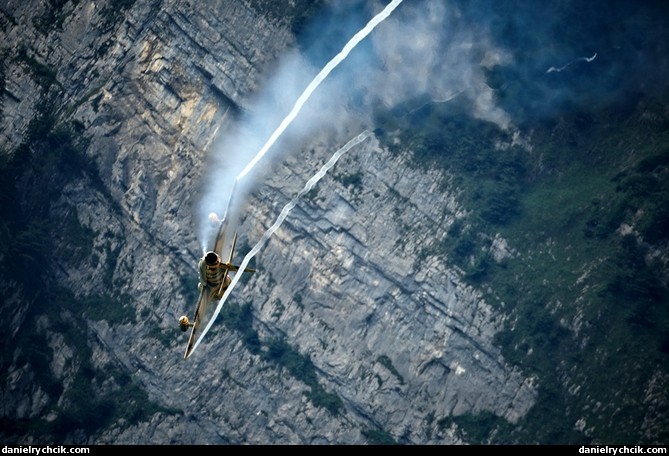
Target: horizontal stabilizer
{"x": 232, "y": 267}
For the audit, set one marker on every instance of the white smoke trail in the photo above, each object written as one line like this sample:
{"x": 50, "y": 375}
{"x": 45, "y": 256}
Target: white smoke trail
{"x": 581, "y": 59}
{"x": 331, "y": 65}
{"x": 282, "y": 216}
{"x": 306, "y": 94}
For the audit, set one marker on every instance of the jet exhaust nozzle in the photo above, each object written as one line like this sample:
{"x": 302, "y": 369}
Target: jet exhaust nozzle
{"x": 211, "y": 258}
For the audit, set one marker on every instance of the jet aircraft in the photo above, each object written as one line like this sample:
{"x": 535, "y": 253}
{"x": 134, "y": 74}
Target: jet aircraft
{"x": 214, "y": 280}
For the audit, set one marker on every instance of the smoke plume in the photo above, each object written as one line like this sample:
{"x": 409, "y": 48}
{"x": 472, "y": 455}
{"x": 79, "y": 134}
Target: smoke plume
{"x": 494, "y": 57}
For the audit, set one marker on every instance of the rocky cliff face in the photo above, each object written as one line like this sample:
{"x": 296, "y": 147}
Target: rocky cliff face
{"x": 393, "y": 343}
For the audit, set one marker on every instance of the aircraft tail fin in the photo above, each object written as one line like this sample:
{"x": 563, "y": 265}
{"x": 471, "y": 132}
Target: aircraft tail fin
{"x": 230, "y": 266}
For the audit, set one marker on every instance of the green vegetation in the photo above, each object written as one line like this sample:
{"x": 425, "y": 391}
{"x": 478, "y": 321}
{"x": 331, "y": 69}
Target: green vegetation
{"x": 240, "y": 318}
{"x": 378, "y": 437}
{"x": 587, "y": 210}
{"x": 587, "y": 296}
{"x": 79, "y": 406}
{"x": 478, "y": 427}
{"x": 44, "y": 75}
{"x": 296, "y": 13}
{"x": 114, "y": 12}
{"x": 312, "y": 195}
{"x": 297, "y": 299}
{"x": 93, "y": 94}
{"x": 32, "y": 178}
{"x": 301, "y": 368}
{"x": 353, "y": 180}
{"x": 116, "y": 310}
{"x": 388, "y": 364}
{"x": 188, "y": 287}
{"x": 279, "y": 308}
{"x": 53, "y": 16}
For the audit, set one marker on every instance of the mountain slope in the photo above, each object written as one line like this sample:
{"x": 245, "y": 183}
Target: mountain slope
{"x": 453, "y": 279}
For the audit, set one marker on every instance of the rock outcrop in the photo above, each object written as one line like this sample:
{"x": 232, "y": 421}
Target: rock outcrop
{"x": 398, "y": 342}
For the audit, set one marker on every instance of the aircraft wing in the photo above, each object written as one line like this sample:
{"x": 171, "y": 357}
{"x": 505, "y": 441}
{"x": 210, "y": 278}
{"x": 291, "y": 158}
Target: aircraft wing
{"x": 202, "y": 304}
{"x": 220, "y": 238}
{"x": 232, "y": 267}
{"x": 208, "y": 294}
